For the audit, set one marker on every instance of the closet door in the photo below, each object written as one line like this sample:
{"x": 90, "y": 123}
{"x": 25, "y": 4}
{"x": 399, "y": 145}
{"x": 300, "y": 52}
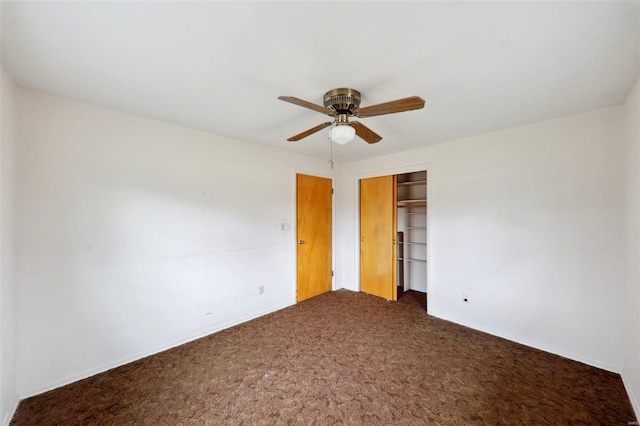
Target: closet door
{"x": 378, "y": 225}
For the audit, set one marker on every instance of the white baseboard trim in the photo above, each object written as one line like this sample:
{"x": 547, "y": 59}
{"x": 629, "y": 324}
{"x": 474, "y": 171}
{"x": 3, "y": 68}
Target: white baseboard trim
{"x": 535, "y": 345}
{"x": 8, "y": 416}
{"x": 181, "y": 341}
{"x": 632, "y": 396}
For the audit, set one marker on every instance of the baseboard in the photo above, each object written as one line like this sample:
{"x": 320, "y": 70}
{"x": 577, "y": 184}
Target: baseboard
{"x": 632, "y": 396}
{"x": 8, "y": 416}
{"x": 535, "y": 345}
{"x": 181, "y": 341}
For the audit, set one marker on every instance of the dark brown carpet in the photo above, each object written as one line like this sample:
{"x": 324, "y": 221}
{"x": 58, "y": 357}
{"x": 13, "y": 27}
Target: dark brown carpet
{"x": 341, "y": 358}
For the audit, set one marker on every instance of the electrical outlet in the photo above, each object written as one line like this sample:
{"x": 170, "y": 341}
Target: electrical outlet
{"x": 465, "y": 298}
{"x": 261, "y": 289}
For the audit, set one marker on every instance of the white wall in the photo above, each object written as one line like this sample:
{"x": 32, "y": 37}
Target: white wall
{"x": 135, "y": 235}
{"x": 8, "y": 381}
{"x": 528, "y": 222}
{"x": 631, "y": 353}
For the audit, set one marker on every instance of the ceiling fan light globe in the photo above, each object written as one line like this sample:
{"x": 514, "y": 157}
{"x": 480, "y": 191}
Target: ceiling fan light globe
{"x": 342, "y": 134}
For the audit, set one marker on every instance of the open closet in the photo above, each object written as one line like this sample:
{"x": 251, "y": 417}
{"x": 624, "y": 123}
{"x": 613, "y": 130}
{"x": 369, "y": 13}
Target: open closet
{"x": 393, "y": 234}
{"x": 412, "y": 232}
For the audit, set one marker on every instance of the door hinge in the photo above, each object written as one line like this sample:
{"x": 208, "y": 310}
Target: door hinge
{"x": 331, "y": 191}
{"x": 331, "y": 273}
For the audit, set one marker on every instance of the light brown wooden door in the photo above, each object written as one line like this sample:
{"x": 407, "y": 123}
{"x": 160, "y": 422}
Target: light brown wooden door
{"x": 378, "y": 227}
{"x": 314, "y": 208}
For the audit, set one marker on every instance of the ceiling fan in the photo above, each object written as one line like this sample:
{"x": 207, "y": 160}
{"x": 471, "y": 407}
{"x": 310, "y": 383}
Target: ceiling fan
{"x": 343, "y": 104}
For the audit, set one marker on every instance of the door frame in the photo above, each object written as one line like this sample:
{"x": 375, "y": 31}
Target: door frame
{"x": 386, "y": 172}
{"x": 294, "y": 228}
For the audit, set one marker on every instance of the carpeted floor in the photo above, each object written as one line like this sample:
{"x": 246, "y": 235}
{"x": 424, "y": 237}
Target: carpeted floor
{"x": 341, "y": 358}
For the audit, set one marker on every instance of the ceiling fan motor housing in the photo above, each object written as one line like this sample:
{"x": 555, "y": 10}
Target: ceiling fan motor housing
{"x": 343, "y": 101}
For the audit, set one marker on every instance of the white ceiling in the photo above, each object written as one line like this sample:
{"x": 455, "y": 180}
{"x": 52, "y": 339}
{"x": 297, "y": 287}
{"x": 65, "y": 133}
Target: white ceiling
{"x": 220, "y": 66}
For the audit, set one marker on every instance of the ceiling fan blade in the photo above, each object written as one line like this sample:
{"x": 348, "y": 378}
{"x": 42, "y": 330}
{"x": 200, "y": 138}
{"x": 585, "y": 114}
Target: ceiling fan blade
{"x": 365, "y": 133}
{"x": 310, "y": 132}
{"x": 401, "y": 105}
{"x": 303, "y": 103}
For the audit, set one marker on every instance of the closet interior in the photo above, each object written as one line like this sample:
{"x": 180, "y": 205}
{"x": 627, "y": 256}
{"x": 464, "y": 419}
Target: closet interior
{"x": 412, "y": 232}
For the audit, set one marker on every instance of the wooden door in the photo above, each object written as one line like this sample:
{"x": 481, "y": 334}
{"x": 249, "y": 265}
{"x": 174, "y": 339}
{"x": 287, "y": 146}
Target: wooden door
{"x": 378, "y": 227}
{"x": 314, "y": 228}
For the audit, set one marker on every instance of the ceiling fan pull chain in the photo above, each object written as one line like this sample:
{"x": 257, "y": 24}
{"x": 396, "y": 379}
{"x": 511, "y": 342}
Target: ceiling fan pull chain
{"x": 331, "y": 150}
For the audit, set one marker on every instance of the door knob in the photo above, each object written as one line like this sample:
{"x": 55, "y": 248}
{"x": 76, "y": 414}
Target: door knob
{"x": 301, "y": 242}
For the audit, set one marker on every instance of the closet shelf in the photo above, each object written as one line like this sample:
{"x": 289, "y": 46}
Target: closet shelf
{"x": 417, "y": 260}
{"x": 412, "y": 203}
{"x": 419, "y": 200}
{"x": 420, "y": 244}
{"x": 412, "y": 183}
{"x": 411, "y": 207}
